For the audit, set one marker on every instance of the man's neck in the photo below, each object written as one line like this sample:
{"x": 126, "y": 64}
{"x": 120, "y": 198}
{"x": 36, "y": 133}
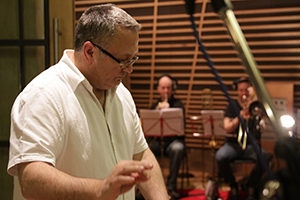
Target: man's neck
{"x": 71, "y": 56}
{"x": 101, "y": 96}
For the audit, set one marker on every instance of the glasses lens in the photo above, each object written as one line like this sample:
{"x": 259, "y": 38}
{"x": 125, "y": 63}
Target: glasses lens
{"x": 131, "y": 62}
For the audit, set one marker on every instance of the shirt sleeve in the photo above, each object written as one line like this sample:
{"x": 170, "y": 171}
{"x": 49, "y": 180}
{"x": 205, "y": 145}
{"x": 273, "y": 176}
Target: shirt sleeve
{"x": 230, "y": 111}
{"x": 36, "y": 124}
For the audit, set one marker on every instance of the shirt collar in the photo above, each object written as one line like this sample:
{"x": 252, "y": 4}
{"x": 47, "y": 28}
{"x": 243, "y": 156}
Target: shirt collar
{"x": 75, "y": 77}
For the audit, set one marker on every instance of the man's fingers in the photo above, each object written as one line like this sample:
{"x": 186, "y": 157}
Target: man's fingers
{"x": 126, "y": 174}
{"x": 143, "y": 176}
{"x": 129, "y": 167}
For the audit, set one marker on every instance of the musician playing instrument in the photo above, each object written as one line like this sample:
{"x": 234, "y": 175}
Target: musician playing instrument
{"x": 173, "y": 146}
{"x": 164, "y": 103}
{"x": 232, "y": 149}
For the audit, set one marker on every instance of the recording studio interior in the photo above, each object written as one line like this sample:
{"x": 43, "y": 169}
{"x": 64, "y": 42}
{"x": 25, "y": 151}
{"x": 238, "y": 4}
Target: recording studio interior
{"x": 207, "y": 47}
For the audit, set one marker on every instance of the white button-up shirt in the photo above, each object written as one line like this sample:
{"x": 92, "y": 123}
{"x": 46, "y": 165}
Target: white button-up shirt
{"x": 57, "y": 119}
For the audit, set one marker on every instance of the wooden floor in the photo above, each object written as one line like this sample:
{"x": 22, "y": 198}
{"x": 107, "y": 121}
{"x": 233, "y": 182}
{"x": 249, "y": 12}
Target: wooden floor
{"x": 200, "y": 164}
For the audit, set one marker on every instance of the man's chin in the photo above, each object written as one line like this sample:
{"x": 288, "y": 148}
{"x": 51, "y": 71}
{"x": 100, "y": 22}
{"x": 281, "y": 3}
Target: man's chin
{"x": 113, "y": 84}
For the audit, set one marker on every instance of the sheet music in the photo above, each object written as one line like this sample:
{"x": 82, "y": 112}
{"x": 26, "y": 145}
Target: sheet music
{"x": 150, "y": 122}
{"x": 217, "y": 117}
{"x": 165, "y": 122}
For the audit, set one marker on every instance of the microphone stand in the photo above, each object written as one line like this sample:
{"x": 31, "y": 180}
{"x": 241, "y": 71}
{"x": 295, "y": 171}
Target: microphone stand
{"x": 224, "y": 9}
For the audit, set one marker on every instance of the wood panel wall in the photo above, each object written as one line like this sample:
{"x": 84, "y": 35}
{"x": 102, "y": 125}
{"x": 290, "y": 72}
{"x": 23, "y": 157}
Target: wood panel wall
{"x": 167, "y": 45}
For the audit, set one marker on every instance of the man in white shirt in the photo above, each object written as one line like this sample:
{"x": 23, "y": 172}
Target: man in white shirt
{"x": 75, "y": 133}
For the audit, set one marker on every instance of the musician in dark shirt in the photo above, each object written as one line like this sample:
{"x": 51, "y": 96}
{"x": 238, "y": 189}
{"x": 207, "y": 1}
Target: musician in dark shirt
{"x": 236, "y": 147}
{"x": 173, "y": 146}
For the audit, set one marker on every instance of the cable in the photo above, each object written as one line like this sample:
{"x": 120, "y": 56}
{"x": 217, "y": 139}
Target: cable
{"x": 190, "y": 8}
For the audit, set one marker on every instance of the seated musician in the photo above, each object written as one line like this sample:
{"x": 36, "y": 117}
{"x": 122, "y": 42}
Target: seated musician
{"x": 173, "y": 146}
{"x": 237, "y": 145}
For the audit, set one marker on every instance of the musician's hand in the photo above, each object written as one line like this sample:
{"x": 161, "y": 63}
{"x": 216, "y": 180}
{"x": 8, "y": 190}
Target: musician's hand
{"x": 248, "y": 103}
{"x": 245, "y": 114}
{"x": 163, "y": 105}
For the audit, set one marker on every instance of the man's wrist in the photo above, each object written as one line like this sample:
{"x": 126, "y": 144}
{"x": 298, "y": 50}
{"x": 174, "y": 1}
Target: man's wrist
{"x": 236, "y": 122}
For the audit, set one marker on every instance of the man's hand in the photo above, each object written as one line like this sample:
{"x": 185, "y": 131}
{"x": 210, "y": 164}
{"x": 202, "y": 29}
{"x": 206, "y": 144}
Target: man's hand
{"x": 41, "y": 180}
{"x": 163, "y": 105}
{"x": 245, "y": 114}
{"x": 155, "y": 188}
{"x": 124, "y": 176}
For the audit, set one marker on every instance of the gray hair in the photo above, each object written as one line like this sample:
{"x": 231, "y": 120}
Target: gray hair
{"x": 100, "y": 23}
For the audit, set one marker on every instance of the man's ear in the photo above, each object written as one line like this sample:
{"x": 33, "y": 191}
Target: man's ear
{"x": 88, "y": 52}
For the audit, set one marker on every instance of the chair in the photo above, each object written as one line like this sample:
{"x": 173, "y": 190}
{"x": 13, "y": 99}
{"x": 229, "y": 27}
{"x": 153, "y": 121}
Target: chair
{"x": 242, "y": 184}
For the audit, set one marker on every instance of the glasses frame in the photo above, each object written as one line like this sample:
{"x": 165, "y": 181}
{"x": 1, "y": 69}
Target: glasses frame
{"x": 123, "y": 65}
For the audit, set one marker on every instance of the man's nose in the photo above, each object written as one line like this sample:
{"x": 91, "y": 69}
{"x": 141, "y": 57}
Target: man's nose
{"x": 128, "y": 69}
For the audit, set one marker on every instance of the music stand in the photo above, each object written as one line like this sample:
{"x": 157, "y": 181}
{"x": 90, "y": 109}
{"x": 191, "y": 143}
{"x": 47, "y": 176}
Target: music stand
{"x": 162, "y": 123}
{"x": 213, "y": 126}
{"x": 213, "y": 122}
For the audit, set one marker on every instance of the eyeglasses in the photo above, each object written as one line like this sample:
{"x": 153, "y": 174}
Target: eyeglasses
{"x": 123, "y": 65}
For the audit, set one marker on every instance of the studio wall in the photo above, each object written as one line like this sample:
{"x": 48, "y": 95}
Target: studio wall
{"x": 167, "y": 45}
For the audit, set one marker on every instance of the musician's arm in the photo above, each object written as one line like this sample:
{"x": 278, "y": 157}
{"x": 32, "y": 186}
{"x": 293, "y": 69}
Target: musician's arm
{"x": 230, "y": 124}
